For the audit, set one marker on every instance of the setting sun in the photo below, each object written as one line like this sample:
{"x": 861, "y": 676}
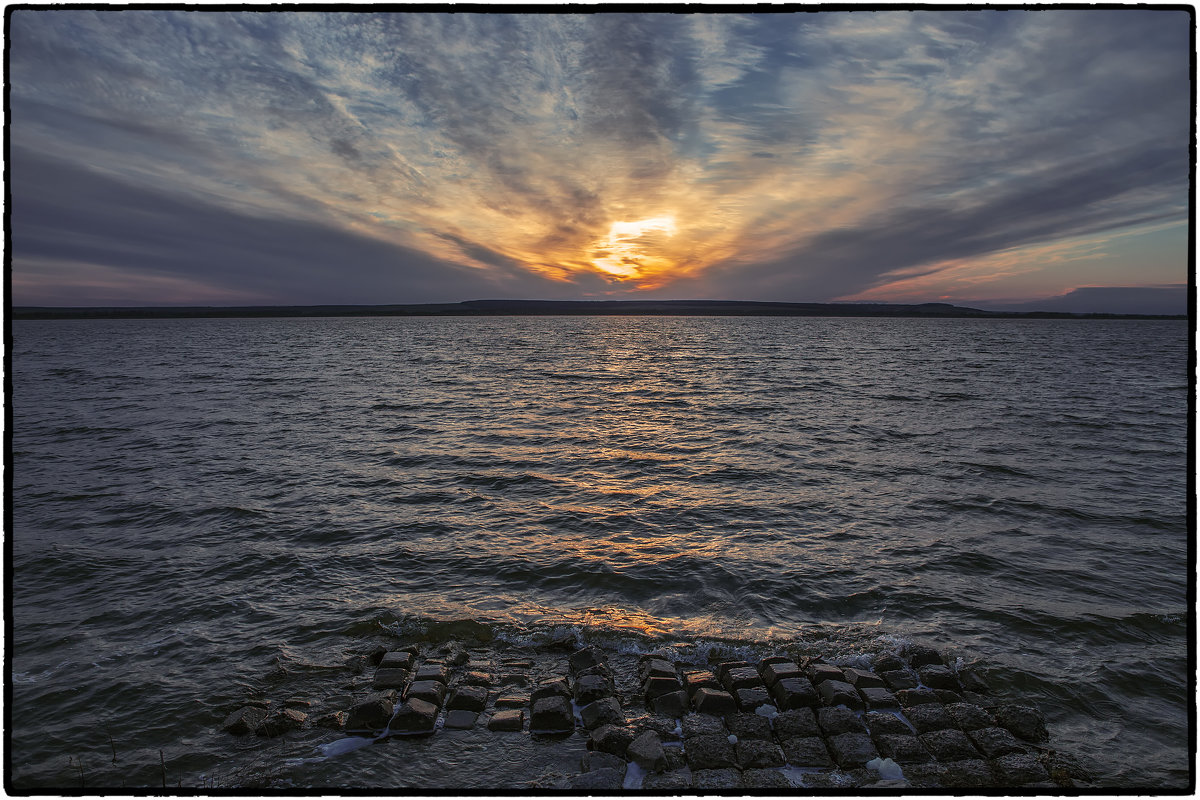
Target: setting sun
{"x": 629, "y": 249}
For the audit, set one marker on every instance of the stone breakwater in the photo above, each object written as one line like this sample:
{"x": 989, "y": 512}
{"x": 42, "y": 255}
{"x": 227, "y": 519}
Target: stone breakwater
{"x": 654, "y": 722}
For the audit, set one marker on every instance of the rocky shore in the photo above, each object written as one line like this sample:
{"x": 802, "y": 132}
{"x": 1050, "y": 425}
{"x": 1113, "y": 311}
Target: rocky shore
{"x": 661, "y": 722}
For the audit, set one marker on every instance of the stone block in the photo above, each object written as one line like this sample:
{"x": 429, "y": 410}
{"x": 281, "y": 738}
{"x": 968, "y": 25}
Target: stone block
{"x": 966, "y": 774}
{"x": 946, "y": 697}
{"x": 551, "y": 714}
{"x": 334, "y": 720}
{"x": 862, "y": 679}
{"x": 819, "y": 673}
{"x": 667, "y": 783}
{"x": 748, "y": 726}
{"x": 509, "y": 719}
{"x": 699, "y": 679}
{"x": 884, "y": 722}
{"x": 511, "y": 701}
{"x": 937, "y": 676}
{"x": 752, "y": 698}
{"x": 658, "y": 686}
{"x": 675, "y": 758}
{"x": 929, "y": 717}
{"x": 396, "y": 659}
{"x": 766, "y": 779}
{"x": 433, "y": 692}
{"x": 806, "y": 751}
{"x": 886, "y": 662}
{"x": 969, "y": 717}
{"x": 725, "y": 666}
{"x": 838, "y": 693}
{"x": 898, "y": 679}
{"x": 878, "y": 697}
{"x": 475, "y": 678}
{"x": 656, "y": 668}
{"x": 950, "y": 745}
{"x": 924, "y": 776}
{"x": 589, "y": 688}
{"x": 468, "y": 698}
{"x": 605, "y": 711}
{"x": 550, "y": 688}
{"x": 460, "y": 719}
{"x": 795, "y": 692}
{"x": 902, "y": 748}
{"x": 717, "y": 779}
{"x": 590, "y": 656}
{"x": 390, "y": 679}
{"x": 372, "y": 714}
{"x": 713, "y": 701}
{"x": 757, "y": 754}
{"x": 613, "y": 739}
{"x": 796, "y": 722}
{"x": 780, "y": 669}
{"x": 709, "y": 751}
{"x": 741, "y": 678}
{"x": 600, "y": 780}
{"x": 995, "y": 742}
{"x": 647, "y": 752}
{"x": 433, "y": 671}
{"x": 246, "y": 720}
{"x": 1018, "y": 769}
{"x": 919, "y": 656}
{"x": 1024, "y": 722}
{"x": 415, "y": 717}
{"x": 915, "y": 697}
{"x": 281, "y": 722}
{"x": 837, "y": 720}
{"x": 703, "y": 725}
{"x": 672, "y": 704}
{"x": 972, "y": 681}
{"x": 593, "y": 760}
{"x": 852, "y": 749}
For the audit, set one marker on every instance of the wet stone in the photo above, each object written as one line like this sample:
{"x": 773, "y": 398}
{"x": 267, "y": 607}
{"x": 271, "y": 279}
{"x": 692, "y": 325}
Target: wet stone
{"x": 937, "y": 676}
{"x": 1024, "y": 722}
{"x": 920, "y": 656}
{"x": 594, "y": 760}
{"x": 460, "y": 719}
{"x": 647, "y": 752}
{"x": 748, "y": 726}
{"x": 1064, "y": 768}
{"x": 605, "y": 711}
{"x": 839, "y": 720}
{"x": 901, "y": 748}
{"x": 585, "y": 658}
{"x": 551, "y": 715}
{"x": 334, "y": 720}
{"x": 819, "y": 673}
{"x": 929, "y": 717}
{"x": 838, "y": 693}
{"x": 750, "y": 699}
{"x": 700, "y": 679}
{"x": 797, "y": 722}
{"x": 966, "y": 774}
{"x": 396, "y": 659}
{"x": 968, "y": 717}
{"x": 675, "y": 757}
{"x": 468, "y": 698}
{"x": 656, "y": 668}
{"x": 666, "y": 783}
{"x": 852, "y": 749}
{"x": 600, "y": 780}
{"x": 898, "y": 679}
{"x": 949, "y": 745}
{"x": 708, "y": 752}
{"x": 373, "y": 713}
{"x": 724, "y": 667}
{"x": 757, "y": 754}
{"x": 780, "y": 669}
{"x": 244, "y": 721}
{"x": 433, "y": 671}
{"x": 790, "y": 693}
{"x": 878, "y": 697}
{"x": 550, "y": 688}
{"x": 806, "y": 751}
{"x": 972, "y": 681}
{"x": 656, "y": 686}
{"x": 741, "y": 678}
{"x": 590, "y": 688}
{"x": 915, "y": 697}
{"x": 475, "y": 678}
{"x": 995, "y": 742}
{"x": 414, "y": 717}
{"x": 433, "y": 692}
{"x": 665, "y": 727}
{"x": 717, "y": 779}
{"x": 861, "y": 678}
{"x": 611, "y": 739}
{"x": 511, "y": 701}
{"x": 887, "y": 663}
{"x": 703, "y": 725}
{"x": 672, "y": 704}
{"x": 947, "y": 697}
{"x": 712, "y": 701}
{"x": 509, "y": 719}
{"x": 765, "y": 779}
{"x": 924, "y": 776}
{"x": 390, "y": 679}
{"x": 879, "y": 722}
{"x": 1018, "y": 769}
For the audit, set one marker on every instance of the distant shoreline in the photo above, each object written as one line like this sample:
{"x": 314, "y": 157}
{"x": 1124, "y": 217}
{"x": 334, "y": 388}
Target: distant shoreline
{"x": 503, "y": 308}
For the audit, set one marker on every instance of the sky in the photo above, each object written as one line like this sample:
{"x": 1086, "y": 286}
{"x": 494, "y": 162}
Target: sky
{"x": 990, "y": 158}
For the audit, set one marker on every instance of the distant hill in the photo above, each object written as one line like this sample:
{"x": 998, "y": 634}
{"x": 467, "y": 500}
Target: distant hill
{"x": 481, "y": 308}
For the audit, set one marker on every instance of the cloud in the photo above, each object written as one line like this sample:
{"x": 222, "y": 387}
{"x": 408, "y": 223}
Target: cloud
{"x": 1165, "y": 300}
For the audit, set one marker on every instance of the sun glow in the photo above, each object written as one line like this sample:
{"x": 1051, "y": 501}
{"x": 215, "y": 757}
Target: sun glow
{"x": 628, "y": 252}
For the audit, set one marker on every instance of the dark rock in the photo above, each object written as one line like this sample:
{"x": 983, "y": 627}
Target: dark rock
{"x": 430, "y": 691}
{"x": 887, "y": 663}
{"x": 797, "y": 722}
{"x": 587, "y": 657}
{"x": 647, "y": 752}
{"x": 1018, "y": 769}
{"x": 966, "y": 774}
{"x": 1064, "y": 769}
{"x": 509, "y": 719}
{"x": 852, "y": 749}
{"x": 549, "y": 688}
{"x": 475, "y": 678}
{"x": 551, "y": 715}
{"x": 725, "y": 666}
{"x": 396, "y": 659}
{"x": 757, "y": 754}
{"x": 517, "y": 663}
{"x": 750, "y": 699}
{"x": 968, "y": 717}
{"x": 334, "y": 720}
{"x": 560, "y": 639}
{"x": 672, "y": 704}
{"x": 376, "y": 655}
{"x": 995, "y": 742}
{"x": 600, "y": 780}
{"x": 373, "y": 713}
{"x": 819, "y": 673}
{"x": 414, "y": 717}
{"x": 460, "y": 719}
{"x": 666, "y": 783}
{"x": 468, "y": 698}
{"x": 433, "y": 671}
{"x": 1024, "y": 722}
{"x": 780, "y": 669}
{"x": 699, "y": 679}
{"x": 972, "y": 681}
{"x": 915, "y": 697}
{"x": 902, "y": 748}
{"x": 838, "y": 693}
{"x": 884, "y": 722}
{"x": 611, "y": 739}
{"x": 806, "y": 751}
{"x": 766, "y": 779}
{"x": 605, "y": 711}
{"x": 862, "y": 679}
{"x": 839, "y": 720}
{"x": 790, "y": 693}
{"x": 511, "y": 701}
{"x": 708, "y": 752}
{"x": 454, "y": 654}
{"x": 244, "y": 721}
{"x": 675, "y": 758}
{"x": 924, "y": 776}
{"x": 717, "y": 779}
{"x": 656, "y": 687}
{"x": 949, "y": 745}
{"x": 919, "y": 656}
{"x": 929, "y": 717}
{"x": 946, "y": 696}
{"x": 597, "y": 759}
{"x": 878, "y": 697}
{"x": 741, "y": 678}
{"x": 713, "y": 701}
{"x": 703, "y": 725}
{"x": 665, "y": 727}
{"x": 390, "y": 679}
{"x": 656, "y": 668}
{"x": 936, "y": 676}
{"x": 898, "y": 679}
{"x": 589, "y": 688}
{"x": 748, "y": 726}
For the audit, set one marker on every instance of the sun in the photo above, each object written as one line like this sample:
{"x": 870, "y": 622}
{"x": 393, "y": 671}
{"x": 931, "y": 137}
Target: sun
{"x": 628, "y": 251}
